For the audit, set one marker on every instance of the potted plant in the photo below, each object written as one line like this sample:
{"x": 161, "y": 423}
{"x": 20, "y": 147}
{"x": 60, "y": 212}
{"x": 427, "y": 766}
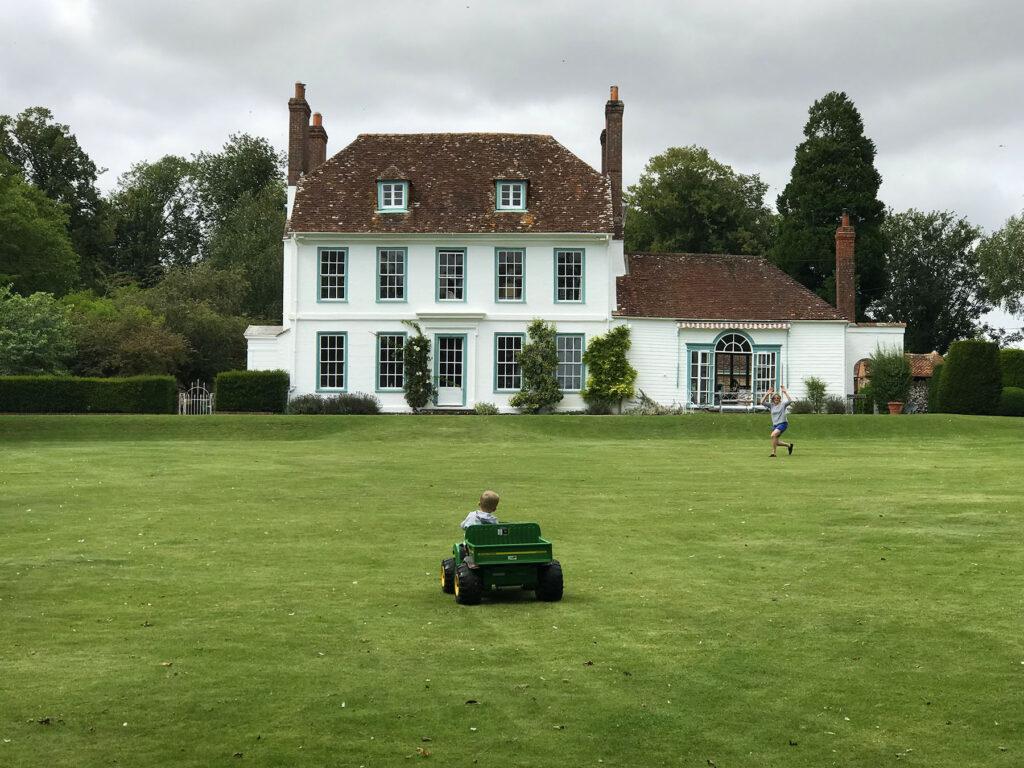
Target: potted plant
{"x": 890, "y": 378}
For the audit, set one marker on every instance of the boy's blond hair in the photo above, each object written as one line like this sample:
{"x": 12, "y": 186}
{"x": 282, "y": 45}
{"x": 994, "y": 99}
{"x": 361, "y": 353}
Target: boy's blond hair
{"x": 489, "y": 501}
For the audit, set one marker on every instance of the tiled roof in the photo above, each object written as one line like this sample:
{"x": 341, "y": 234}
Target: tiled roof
{"x": 451, "y": 178}
{"x": 695, "y": 286}
{"x": 922, "y": 365}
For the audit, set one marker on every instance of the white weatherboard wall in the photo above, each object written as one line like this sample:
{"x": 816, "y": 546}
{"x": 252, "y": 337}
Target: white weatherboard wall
{"x": 654, "y": 352}
{"x": 815, "y": 348}
{"x": 479, "y": 317}
{"x": 863, "y": 340}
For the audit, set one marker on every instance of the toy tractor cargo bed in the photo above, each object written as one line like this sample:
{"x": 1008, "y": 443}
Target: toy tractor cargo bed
{"x": 519, "y": 543}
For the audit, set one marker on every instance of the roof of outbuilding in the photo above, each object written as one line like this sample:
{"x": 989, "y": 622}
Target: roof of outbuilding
{"x": 700, "y": 286}
{"x": 922, "y": 365}
{"x": 451, "y": 186}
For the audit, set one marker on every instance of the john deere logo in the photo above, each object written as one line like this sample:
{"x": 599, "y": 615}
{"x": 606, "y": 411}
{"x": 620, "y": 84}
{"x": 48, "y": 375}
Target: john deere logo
{"x": 511, "y": 557}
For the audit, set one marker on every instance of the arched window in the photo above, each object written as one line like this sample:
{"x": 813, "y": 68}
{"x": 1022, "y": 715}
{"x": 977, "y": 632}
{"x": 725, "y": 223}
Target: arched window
{"x": 861, "y": 374}
{"x": 733, "y": 364}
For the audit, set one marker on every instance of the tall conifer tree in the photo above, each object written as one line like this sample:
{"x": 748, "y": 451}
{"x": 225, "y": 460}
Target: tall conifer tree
{"x": 834, "y": 169}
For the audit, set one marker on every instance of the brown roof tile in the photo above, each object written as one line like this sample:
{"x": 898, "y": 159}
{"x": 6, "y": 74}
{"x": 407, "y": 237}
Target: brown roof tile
{"x": 922, "y": 365}
{"x": 692, "y": 286}
{"x": 451, "y": 178}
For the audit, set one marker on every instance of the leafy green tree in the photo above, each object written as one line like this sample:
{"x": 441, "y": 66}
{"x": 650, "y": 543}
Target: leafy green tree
{"x": 115, "y": 336}
{"x": 419, "y": 383}
{"x": 834, "y": 169}
{"x": 205, "y": 306}
{"x": 35, "y": 251}
{"x": 539, "y": 364}
{"x": 248, "y": 241}
{"x": 35, "y": 335}
{"x": 934, "y": 284}
{"x": 50, "y": 158}
{"x": 1001, "y": 258}
{"x": 610, "y": 377}
{"x": 686, "y": 200}
{"x": 156, "y": 224}
{"x": 246, "y": 164}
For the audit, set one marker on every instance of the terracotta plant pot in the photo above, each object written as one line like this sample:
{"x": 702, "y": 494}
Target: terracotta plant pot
{"x": 895, "y": 407}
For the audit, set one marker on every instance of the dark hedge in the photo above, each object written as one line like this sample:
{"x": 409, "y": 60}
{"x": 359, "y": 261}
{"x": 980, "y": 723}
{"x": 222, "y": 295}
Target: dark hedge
{"x": 251, "y": 391}
{"x": 1012, "y": 402}
{"x": 972, "y": 380}
{"x": 1012, "y": 362}
{"x": 71, "y": 394}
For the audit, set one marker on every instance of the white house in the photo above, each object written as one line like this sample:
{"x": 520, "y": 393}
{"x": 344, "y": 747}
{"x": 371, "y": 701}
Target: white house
{"x": 473, "y": 235}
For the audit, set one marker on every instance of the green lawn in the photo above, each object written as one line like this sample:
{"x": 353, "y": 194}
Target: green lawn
{"x": 204, "y": 591}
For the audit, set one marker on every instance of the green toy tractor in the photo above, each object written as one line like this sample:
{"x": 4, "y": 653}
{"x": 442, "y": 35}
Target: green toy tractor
{"x": 493, "y": 557}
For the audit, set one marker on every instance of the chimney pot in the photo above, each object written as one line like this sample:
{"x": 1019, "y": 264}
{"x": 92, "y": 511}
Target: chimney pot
{"x": 318, "y": 119}
{"x": 300, "y": 90}
{"x": 615, "y": 93}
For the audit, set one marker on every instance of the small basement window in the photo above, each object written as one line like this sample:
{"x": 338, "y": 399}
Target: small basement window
{"x": 393, "y": 196}
{"x": 511, "y": 196}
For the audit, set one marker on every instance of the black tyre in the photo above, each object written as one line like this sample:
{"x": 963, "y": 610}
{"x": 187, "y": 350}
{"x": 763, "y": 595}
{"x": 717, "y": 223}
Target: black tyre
{"x": 549, "y": 582}
{"x": 469, "y": 590}
{"x": 448, "y": 575}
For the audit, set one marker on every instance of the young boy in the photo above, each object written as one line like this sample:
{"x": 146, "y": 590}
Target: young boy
{"x": 485, "y": 514}
{"x": 780, "y": 424}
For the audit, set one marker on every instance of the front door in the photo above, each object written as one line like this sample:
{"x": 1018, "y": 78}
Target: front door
{"x": 451, "y": 370}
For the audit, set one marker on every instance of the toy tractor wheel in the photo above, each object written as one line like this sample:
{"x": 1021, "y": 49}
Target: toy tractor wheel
{"x": 448, "y": 575}
{"x": 549, "y": 582}
{"x": 468, "y": 588}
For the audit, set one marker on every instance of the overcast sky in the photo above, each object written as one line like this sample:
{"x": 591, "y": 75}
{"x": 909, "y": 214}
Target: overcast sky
{"x": 939, "y": 84}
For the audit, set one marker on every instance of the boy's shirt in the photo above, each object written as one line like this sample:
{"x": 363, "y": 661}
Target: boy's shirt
{"x": 779, "y": 411}
{"x": 477, "y": 517}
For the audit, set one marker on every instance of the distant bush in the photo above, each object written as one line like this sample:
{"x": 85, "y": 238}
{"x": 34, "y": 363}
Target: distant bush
{"x": 971, "y": 378}
{"x": 69, "y": 394}
{"x": 815, "y": 388}
{"x": 252, "y": 391}
{"x": 485, "y": 409}
{"x": 354, "y": 403}
{"x": 801, "y": 406}
{"x": 835, "y": 404}
{"x": 1012, "y": 363}
{"x": 934, "y": 390}
{"x": 340, "y": 404}
{"x": 1012, "y": 402}
{"x": 891, "y": 377}
{"x": 647, "y": 406}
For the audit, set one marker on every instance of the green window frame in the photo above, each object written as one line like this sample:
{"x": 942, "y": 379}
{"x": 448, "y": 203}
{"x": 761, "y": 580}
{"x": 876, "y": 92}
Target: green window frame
{"x": 571, "y": 371}
{"x": 508, "y": 374}
{"x": 392, "y": 196}
{"x": 766, "y": 372}
{"x": 570, "y": 268}
{"x": 510, "y": 275}
{"x": 392, "y": 275}
{"x": 331, "y": 274}
{"x": 389, "y": 375}
{"x": 509, "y": 195}
{"x": 700, "y": 367}
{"x": 450, "y": 274}
{"x": 332, "y": 361}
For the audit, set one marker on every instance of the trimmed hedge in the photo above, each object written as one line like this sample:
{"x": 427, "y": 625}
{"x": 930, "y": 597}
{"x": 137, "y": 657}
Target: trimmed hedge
{"x": 1012, "y": 361}
{"x": 972, "y": 380}
{"x": 72, "y": 394}
{"x": 1012, "y": 402}
{"x": 934, "y": 390}
{"x": 252, "y": 391}
{"x": 345, "y": 404}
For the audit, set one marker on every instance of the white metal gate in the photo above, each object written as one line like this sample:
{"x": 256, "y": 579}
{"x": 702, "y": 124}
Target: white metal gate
{"x": 195, "y": 400}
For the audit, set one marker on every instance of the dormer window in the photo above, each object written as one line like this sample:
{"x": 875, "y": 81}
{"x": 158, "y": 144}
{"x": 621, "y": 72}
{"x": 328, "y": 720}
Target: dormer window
{"x": 511, "y": 196}
{"x": 393, "y": 196}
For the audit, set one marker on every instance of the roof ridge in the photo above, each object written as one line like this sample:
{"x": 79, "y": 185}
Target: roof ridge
{"x": 457, "y": 133}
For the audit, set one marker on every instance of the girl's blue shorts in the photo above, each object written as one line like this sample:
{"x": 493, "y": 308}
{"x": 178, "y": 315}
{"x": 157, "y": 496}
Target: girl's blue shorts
{"x": 781, "y": 427}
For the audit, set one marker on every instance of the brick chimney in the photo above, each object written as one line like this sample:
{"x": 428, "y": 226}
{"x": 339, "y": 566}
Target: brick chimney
{"x": 846, "y": 299}
{"x": 298, "y": 134}
{"x": 316, "y": 152}
{"x": 611, "y": 154}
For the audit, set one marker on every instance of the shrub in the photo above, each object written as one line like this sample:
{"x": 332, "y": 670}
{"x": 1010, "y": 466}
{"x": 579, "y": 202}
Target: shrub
{"x": 971, "y": 378}
{"x": 865, "y": 404}
{"x": 539, "y": 363}
{"x": 35, "y": 335}
{"x": 801, "y": 406}
{"x": 1012, "y": 363}
{"x": 815, "y": 393}
{"x": 935, "y": 390}
{"x": 351, "y": 404}
{"x": 835, "y": 404}
{"x": 890, "y": 376}
{"x": 1012, "y": 402}
{"x": 485, "y": 409}
{"x": 610, "y": 377}
{"x": 306, "y": 404}
{"x": 647, "y": 406}
{"x": 252, "y": 391}
{"x": 69, "y": 394}
{"x": 419, "y": 384}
